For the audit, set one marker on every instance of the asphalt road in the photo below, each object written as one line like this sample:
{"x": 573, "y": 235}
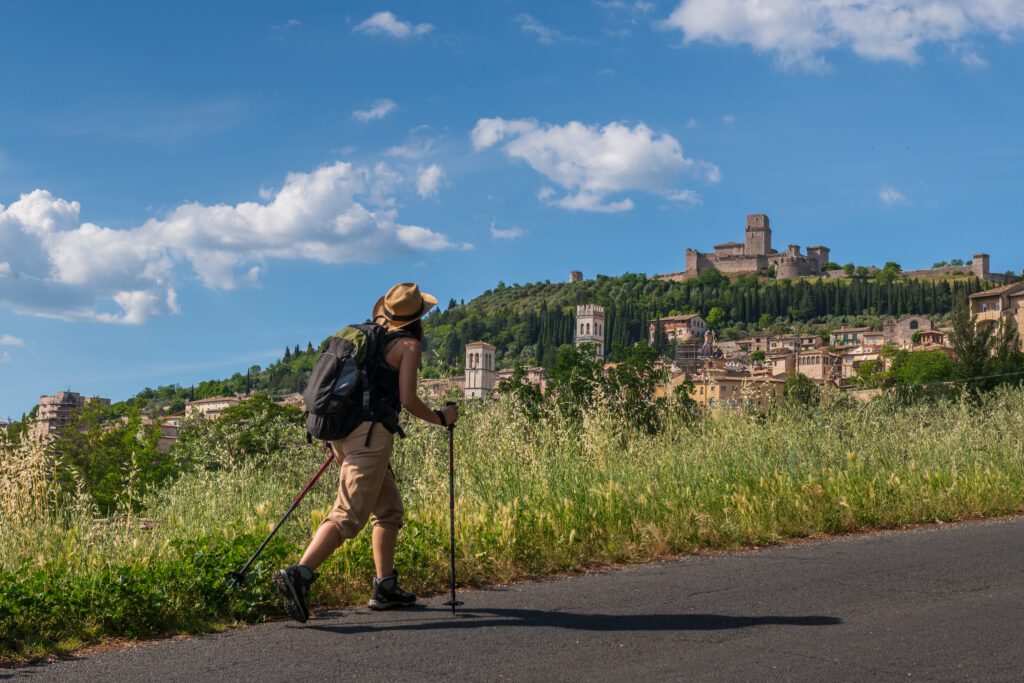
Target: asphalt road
{"x": 937, "y": 603}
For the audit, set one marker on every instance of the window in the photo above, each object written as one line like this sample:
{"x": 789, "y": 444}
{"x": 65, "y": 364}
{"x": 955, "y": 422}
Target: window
{"x": 913, "y": 324}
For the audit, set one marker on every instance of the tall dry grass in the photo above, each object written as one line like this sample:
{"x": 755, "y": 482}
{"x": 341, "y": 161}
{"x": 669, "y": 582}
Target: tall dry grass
{"x": 533, "y": 498}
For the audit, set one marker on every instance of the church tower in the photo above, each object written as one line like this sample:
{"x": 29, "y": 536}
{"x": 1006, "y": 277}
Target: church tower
{"x": 759, "y": 235}
{"x": 479, "y": 370}
{"x": 590, "y": 327}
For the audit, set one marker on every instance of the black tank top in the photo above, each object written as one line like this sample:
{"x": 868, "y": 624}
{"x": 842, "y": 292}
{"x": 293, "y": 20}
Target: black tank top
{"x": 385, "y": 398}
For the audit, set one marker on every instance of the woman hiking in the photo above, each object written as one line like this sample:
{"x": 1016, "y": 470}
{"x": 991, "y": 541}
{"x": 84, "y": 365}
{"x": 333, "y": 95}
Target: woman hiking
{"x": 367, "y": 489}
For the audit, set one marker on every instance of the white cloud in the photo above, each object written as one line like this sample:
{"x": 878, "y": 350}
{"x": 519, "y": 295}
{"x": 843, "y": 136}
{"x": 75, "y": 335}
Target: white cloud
{"x": 10, "y": 340}
{"x": 544, "y": 34}
{"x": 5, "y": 268}
{"x": 512, "y": 233}
{"x": 890, "y": 196}
{"x": 5, "y": 357}
{"x": 378, "y": 110}
{"x": 63, "y": 268}
{"x": 387, "y": 23}
{"x": 422, "y": 238}
{"x": 728, "y": 119}
{"x": 799, "y": 32}
{"x": 684, "y": 197}
{"x": 592, "y": 163}
{"x": 428, "y": 180}
{"x": 692, "y": 123}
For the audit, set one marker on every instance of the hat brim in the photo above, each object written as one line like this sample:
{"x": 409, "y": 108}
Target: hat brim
{"x": 429, "y": 301}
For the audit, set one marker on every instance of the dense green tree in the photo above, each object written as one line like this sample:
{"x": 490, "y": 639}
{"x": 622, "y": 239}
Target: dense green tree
{"x": 800, "y": 390}
{"x": 113, "y": 457}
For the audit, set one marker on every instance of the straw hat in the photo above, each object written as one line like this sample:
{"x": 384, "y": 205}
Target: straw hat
{"x": 402, "y": 305}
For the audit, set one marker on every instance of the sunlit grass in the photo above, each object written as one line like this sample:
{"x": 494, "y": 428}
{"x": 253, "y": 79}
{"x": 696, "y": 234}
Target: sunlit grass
{"x": 533, "y": 498}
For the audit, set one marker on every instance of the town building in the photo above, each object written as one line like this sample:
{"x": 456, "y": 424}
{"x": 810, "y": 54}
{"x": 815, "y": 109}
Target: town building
{"x": 678, "y": 327}
{"x": 56, "y": 412}
{"x": 716, "y": 390}
{"x": 994, "y": 305}
{"x": 590, "y": 328}
{"x": 211, "y": 408}
{"x": 847, "y": 337}
{"x": 754, "y": 256}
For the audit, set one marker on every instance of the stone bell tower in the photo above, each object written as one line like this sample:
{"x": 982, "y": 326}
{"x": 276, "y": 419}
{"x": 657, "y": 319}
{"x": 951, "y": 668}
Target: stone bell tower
{"x": 590, "y": 328}
{"x": 479, "y": 370}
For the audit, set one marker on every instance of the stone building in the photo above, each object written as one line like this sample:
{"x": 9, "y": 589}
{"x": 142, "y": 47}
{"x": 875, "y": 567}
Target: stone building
{"x": 754, "y": 255}
{"x": 848, "y": 336}
{"x": 575, "y": 276}
{"x": 590, "y": 327}
{"x": 678, "y": 327}
{"x": 211, "y": 408}
{"x": 55, "y": 412}
{"x": 1006, "y": 302}
{"x": 480, "y": 375}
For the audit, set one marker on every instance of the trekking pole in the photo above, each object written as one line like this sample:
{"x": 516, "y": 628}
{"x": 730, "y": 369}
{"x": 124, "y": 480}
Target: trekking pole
{"x": 238, "y": 577}
{"x": 451, "y": 508}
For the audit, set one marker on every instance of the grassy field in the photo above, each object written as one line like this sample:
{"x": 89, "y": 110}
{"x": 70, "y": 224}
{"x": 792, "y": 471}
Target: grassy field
{"x": 534, "y": 498}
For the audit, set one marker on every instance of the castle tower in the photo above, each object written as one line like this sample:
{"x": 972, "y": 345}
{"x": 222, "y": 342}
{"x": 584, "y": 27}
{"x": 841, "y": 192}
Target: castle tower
{"x": 590, "y": 327}
{"x": 980, "y": 266}
{"x": 575, "y": 276}
{"x": 820, "y": 254}
{"x": 479, "y": 370}
{"x": 759, "y": 235}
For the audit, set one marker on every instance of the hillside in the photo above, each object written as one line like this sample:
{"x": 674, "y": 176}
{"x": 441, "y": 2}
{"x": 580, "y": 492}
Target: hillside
{"x": 528, "y": 322}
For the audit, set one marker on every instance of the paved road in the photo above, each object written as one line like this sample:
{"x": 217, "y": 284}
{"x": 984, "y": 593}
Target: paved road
{"x": 939, "y": 603}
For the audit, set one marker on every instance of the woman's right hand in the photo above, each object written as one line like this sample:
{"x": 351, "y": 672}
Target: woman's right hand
{"x": 451, "y": 414}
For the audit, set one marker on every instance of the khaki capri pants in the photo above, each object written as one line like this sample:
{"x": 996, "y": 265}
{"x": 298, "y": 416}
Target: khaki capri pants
{"x": 367, "y": 489}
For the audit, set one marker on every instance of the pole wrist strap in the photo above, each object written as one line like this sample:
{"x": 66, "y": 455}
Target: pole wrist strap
{"x": 440, "y": 416}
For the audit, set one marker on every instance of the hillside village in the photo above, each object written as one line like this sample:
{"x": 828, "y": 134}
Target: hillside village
{"x": 747, "y": 372}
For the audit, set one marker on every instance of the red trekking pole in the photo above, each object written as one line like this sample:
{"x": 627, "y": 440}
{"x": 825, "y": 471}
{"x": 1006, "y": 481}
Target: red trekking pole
{"x": 238, "y": 577}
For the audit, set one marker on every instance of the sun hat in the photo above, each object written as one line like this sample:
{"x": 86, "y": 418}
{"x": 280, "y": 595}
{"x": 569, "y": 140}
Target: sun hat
{"x": 402, "y": 305}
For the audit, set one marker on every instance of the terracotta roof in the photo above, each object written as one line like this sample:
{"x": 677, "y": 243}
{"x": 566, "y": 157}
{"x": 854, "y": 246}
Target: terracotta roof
{"x": 852, "y": 329}
{"x": 1011, "y": 288}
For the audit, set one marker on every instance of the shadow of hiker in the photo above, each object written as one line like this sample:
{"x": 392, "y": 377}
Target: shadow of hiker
{"x": 574, "y": 621}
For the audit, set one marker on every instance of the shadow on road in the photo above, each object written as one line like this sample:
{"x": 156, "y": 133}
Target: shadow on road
{"x": 429, "y": 619}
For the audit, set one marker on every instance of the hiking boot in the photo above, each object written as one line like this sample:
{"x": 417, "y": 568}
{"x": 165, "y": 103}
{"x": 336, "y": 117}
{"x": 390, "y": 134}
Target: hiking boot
{"x": 387, "y": 594}
{"x": 293, "y": 584}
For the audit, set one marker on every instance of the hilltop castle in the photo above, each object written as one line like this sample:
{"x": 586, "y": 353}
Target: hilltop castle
{"x": 754, "y": 255}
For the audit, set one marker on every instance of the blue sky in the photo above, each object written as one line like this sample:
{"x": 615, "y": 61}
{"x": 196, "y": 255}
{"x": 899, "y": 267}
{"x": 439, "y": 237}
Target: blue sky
{"x": 186, "y": 188}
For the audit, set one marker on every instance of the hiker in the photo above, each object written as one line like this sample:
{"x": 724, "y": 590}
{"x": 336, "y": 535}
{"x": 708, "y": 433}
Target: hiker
{"x": 367, "y": 488}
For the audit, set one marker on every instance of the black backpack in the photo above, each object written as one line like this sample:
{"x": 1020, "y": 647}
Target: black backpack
{"x": 338, "y": 394}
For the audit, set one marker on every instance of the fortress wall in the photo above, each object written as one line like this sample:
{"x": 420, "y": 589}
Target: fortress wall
{"x": 746, "y": 264}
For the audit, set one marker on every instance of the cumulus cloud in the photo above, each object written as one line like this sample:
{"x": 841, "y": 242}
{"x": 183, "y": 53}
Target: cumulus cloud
{"x": 386, "y": 23}
{"x": 592, "y": 163}
{"x": 61, "y": 267}
{"x": 11, "y": 340}
{"x": 799, "y": 32}
{"x": 890, "y": 196}
{"x": 428, "y": 180}
{"x": 512, "y": 233}
{"x": 378, "y": 110}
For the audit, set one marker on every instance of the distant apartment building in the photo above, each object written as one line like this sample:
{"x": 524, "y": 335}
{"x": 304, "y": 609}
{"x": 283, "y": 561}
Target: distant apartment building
{"x": 211, "y": 408}
{"x": 56, "y": 412}
{"x": 994, "y": 305}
